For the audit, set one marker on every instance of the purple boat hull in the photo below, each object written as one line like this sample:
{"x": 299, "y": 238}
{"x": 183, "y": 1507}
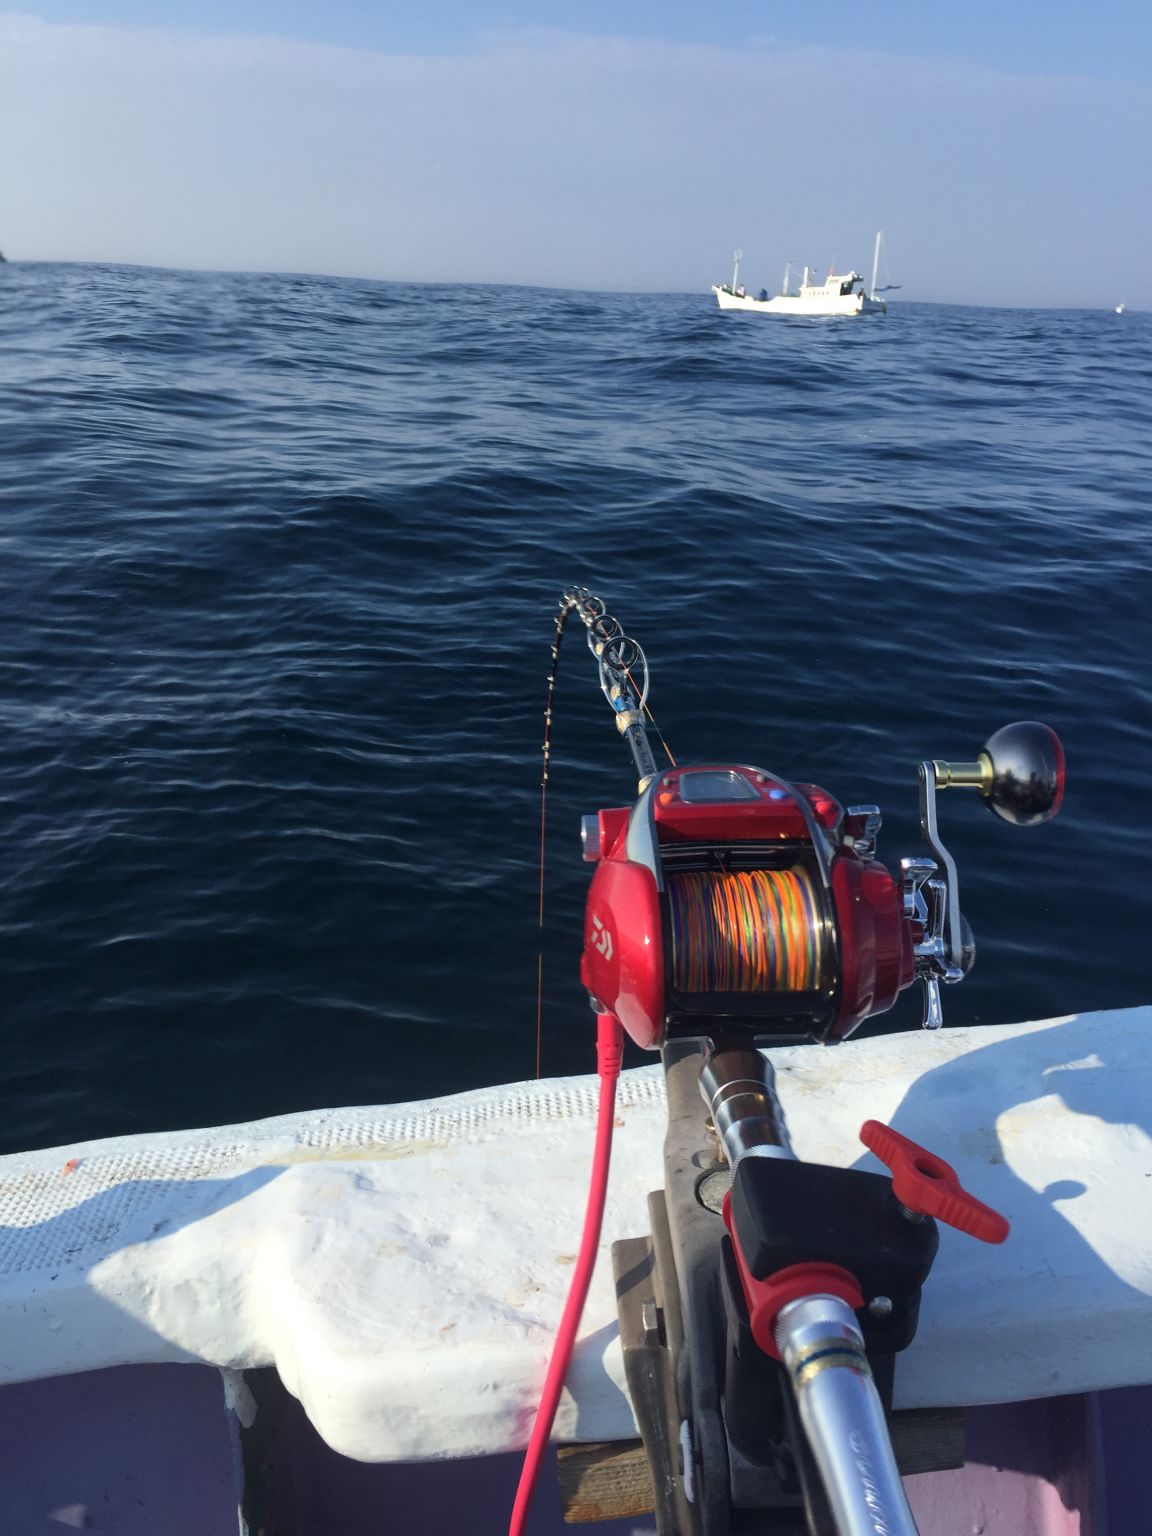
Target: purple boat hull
{"x": 145, "y": 1450}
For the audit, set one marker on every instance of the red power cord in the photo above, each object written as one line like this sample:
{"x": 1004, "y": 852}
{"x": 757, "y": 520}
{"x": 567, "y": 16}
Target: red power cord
{"x": 609, "y": 1052}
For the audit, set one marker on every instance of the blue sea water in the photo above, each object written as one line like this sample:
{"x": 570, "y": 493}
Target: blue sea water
{"x": 279, "y": 557}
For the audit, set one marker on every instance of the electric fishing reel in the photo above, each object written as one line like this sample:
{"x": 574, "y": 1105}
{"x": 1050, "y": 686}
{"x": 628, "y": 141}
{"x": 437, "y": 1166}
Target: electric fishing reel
{"x": 727, "y": 896}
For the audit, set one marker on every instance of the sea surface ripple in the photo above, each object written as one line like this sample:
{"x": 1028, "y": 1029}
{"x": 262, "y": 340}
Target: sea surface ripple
{"x": 280, "y": 557}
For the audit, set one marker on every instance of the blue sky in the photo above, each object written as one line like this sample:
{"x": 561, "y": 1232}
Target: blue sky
{"x": 1106, "y": 39}
{"x": 1004, "y": 149}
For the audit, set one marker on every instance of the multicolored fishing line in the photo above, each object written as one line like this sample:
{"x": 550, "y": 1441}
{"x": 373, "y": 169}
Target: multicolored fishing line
{"x": 752, "y": 930}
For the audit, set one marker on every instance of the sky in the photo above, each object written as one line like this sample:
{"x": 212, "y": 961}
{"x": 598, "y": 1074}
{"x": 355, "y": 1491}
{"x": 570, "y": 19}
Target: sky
{"x": 1004, "y": 149}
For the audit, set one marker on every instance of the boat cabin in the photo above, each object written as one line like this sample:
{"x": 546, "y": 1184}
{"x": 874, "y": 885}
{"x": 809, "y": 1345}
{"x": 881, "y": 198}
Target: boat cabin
{"x": 835, "y": 286}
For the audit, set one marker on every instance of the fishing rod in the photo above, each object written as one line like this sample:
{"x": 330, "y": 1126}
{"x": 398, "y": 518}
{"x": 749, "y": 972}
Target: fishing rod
{"x": 760, "y": 1317}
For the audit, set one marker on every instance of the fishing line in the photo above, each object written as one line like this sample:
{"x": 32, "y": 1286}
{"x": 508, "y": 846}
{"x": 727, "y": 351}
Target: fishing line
{"x": 652, "y": 720}
{"x": 756, "y": 930}
{"x": 561, "y": 620}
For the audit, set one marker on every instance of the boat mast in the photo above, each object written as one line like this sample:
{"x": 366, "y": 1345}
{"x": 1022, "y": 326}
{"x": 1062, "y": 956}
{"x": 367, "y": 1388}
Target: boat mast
{"x": 787, "y": 276}
{"x": 736, "y": 267}
{"x": 876, "y": 262}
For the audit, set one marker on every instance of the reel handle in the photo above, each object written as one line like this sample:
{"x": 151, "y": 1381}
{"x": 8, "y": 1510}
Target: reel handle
{"x": 1020, "y": 776}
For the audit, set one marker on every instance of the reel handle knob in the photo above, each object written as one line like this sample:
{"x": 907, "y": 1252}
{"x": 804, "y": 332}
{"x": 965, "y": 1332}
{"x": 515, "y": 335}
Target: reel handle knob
{"x": 928, "y": 1186}
{"x": 1027, "y": 762}
{"x": 1020, "y": 773}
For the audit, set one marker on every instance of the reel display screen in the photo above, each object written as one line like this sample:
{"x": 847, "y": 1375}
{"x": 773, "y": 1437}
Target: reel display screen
{"x": 712, "y": 786}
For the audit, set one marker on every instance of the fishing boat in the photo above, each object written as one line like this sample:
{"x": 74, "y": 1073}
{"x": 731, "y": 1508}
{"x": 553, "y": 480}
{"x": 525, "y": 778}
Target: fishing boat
{"x": 340, "y": 1320}
{"x": 839, "y": 294}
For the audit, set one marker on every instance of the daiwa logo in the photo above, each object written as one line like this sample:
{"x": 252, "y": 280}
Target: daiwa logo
{"x": 601, "y": 938}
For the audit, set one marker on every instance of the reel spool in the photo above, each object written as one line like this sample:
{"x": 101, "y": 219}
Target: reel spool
{"x": 753, "y": 931}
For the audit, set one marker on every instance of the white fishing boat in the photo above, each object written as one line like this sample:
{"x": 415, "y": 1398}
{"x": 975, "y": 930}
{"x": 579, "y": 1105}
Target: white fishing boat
{"x": 840, "y": 293}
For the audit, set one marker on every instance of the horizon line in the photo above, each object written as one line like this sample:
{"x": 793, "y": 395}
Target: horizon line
{"x": 424, "y": 282}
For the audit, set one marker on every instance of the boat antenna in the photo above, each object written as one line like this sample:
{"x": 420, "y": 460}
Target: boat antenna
{"x": 876, "y": 261}
{"x": 736, "y": 255}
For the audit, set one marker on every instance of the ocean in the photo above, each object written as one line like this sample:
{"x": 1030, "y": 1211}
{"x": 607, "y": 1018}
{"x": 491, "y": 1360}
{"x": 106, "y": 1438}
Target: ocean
{"x": 280, "y": 559}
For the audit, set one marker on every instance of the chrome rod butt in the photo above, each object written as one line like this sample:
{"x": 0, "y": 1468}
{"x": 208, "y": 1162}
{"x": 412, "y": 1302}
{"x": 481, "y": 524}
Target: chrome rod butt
{"x": 823, "y": 1350}
{"x": 739, "y": 1087}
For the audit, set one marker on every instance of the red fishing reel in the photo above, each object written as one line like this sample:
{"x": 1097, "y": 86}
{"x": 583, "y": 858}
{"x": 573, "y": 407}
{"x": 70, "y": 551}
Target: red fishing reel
{"x": 727, "y": 896}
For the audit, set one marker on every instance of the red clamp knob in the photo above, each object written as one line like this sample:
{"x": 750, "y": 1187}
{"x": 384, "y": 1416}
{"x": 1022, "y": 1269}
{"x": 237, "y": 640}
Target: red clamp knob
{"x": 928, "y": 1185}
